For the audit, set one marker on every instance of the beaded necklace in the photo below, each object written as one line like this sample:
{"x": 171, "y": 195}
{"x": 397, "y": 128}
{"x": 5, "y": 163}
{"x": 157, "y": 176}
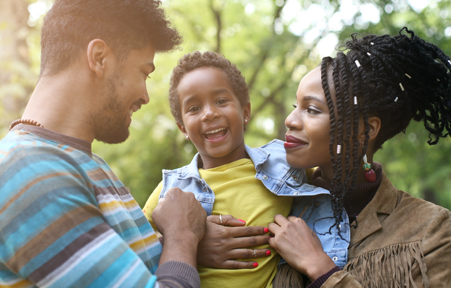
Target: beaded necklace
{"x": 25, "y": 121}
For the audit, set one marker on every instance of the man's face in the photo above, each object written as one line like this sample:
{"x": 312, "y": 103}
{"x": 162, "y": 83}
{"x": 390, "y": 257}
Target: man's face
{"x": 125, "y": 92}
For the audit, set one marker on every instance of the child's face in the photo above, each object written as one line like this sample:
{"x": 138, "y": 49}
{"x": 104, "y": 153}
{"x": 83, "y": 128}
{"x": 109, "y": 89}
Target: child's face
{"x": 212, "y": 115}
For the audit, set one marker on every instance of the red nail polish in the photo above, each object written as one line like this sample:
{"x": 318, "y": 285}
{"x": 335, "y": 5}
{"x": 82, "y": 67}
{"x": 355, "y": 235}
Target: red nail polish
{"x": 242, "y": 221}
{"x": 266, "y": 230}
{"x": 268, "y": 252}
{"x": 255, "y": 265}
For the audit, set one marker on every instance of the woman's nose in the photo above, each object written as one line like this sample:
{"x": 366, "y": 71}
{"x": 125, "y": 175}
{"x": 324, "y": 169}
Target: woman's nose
{"x": 293, "y": 122}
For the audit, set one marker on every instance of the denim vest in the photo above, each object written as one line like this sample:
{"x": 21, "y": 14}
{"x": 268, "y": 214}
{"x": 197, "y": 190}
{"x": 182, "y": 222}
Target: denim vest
{"x": 279, "y": 178}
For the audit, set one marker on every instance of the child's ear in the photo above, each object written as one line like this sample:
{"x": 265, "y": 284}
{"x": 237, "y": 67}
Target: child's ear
{"x": 182, "y": 128}
{"x": 247, "y": 112}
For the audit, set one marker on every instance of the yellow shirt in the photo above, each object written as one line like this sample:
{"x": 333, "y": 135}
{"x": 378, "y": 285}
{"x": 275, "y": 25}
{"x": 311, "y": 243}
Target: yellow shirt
{"x": 238, "y": 193}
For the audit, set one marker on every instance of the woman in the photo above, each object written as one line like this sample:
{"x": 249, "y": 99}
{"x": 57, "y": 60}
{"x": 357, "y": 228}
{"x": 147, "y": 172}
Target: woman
{"x": 346, "y": 109}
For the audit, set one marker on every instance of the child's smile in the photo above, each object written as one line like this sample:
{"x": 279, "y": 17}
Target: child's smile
{"x": 213, "y": 118}
{"x": 216, "y": 135}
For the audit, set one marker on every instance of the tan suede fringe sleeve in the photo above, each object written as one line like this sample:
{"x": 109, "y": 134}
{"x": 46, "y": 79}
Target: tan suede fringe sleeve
{"x": 390, "y": 266}
{"x": 401, "y": 241}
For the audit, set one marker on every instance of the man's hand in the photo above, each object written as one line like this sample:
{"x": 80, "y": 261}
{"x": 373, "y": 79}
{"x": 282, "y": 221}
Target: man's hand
{"x": 180, "y": 218}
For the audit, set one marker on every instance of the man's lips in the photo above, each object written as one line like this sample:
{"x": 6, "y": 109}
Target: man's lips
{"x": 293, "y": 142}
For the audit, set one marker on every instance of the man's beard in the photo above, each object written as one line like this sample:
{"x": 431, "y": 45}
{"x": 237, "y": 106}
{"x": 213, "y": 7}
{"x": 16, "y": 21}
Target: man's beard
{"x": 111, "y": 124}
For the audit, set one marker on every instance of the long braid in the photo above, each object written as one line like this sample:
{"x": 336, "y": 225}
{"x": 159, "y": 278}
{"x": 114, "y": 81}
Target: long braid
{"x": 338, "y": 165}
{"x": 324, "y": 79}
{"x": 396, "y": 79}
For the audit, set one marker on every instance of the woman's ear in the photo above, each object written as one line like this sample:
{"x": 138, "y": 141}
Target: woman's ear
{"x": 374, "y": 125}
{"x": 182, "y": 128}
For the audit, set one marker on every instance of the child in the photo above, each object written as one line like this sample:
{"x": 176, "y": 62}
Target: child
{"x": 209, "y": 100}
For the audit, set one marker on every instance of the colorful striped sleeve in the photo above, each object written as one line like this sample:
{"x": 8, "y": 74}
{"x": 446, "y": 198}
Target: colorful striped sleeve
{"x": 52, "y": 232}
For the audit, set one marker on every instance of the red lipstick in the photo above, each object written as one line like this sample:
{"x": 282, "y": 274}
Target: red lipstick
{"x": 292, "y": 142}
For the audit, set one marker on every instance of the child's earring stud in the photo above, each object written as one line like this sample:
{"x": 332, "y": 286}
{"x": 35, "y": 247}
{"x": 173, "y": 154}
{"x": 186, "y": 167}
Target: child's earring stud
{"x": 245, "y": 120}
{"x": 187, "y": 137}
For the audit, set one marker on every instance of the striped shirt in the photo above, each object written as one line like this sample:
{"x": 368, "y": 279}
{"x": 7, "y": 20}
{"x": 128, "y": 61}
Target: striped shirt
{"x": 67, "y": 221}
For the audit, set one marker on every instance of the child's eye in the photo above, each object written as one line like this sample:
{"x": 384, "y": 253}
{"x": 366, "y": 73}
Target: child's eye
{"x": 222, "y": 101}
{"x": 295, "y": 106}
{"x": 193, "y": 109}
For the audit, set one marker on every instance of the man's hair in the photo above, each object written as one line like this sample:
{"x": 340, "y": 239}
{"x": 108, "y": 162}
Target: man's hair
{"x": 396, "y": 79}
{"x": 124, "y": 25}
{"x": 196, "y": 60}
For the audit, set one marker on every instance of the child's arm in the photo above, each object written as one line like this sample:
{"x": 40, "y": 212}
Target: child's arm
{"x": 151, "y": 203}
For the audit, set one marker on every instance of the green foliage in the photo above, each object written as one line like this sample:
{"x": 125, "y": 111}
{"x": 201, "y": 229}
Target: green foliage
{"x": 274, "y": 43}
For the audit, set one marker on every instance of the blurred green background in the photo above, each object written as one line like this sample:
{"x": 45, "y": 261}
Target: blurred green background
{"x": 274, "y": 43}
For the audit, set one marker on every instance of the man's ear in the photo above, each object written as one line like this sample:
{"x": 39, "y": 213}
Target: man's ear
{"x": 98, "y": 55}
{"x": 374, "y": 125}
{"x": 182, "y": 128}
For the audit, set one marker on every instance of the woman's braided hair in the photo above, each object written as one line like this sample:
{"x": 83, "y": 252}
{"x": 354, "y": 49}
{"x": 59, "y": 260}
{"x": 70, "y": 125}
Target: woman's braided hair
{"x": 393, "y": 78}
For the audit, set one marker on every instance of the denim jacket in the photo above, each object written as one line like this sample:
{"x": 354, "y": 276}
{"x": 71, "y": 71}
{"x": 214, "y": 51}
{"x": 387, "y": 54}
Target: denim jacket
{"x": 279, "y": 178}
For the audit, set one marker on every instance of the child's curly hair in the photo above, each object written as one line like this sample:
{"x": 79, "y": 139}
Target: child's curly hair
{"x": 195, "y": 60}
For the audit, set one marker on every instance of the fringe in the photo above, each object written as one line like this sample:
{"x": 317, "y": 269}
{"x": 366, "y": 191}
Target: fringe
{"x": 288, "y": 277}
{"x": 389, "y": 267}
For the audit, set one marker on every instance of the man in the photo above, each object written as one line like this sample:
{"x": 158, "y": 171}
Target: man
{"x": 65, "y": 218}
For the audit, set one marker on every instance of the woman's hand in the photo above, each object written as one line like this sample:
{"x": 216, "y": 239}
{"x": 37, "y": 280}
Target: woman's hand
{"x": 299, "y": 246}
{"x": 225, "y": 241}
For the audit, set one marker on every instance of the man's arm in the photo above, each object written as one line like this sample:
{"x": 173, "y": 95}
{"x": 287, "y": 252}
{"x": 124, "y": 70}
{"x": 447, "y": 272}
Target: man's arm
{"x": 53, "y": 233}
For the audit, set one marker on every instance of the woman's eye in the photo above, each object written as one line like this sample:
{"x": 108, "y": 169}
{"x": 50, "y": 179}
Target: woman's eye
{"x": 311, "y": 110}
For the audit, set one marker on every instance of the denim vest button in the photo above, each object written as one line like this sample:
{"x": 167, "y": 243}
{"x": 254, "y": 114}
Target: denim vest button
{"x": 296, "y": 193}
{"x": 265, "y": 177}
{"x": 335, "y": 258}
{"x": 339, "y": 226}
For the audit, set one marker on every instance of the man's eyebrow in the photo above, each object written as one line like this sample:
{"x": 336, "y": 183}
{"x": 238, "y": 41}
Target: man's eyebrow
{"x": 313, "y": 98}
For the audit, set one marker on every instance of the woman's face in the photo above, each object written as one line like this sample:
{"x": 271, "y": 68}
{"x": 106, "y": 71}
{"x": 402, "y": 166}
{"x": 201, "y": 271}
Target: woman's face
{"x": 307, "y": 138}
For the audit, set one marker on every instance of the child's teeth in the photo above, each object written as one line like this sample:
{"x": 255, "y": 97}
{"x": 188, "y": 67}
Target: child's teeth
{"x": 214, "y": 131}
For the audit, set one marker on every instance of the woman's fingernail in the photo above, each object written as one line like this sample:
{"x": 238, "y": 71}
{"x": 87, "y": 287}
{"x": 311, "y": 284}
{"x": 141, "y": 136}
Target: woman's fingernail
{"x": 268, "y": 252}
{"x": 255, "y": 265}
{"x": 242, "y": 221}
{"x": 266, "y": 230}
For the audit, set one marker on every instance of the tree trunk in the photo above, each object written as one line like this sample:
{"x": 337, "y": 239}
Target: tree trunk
{"x": 15, "y": 84}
